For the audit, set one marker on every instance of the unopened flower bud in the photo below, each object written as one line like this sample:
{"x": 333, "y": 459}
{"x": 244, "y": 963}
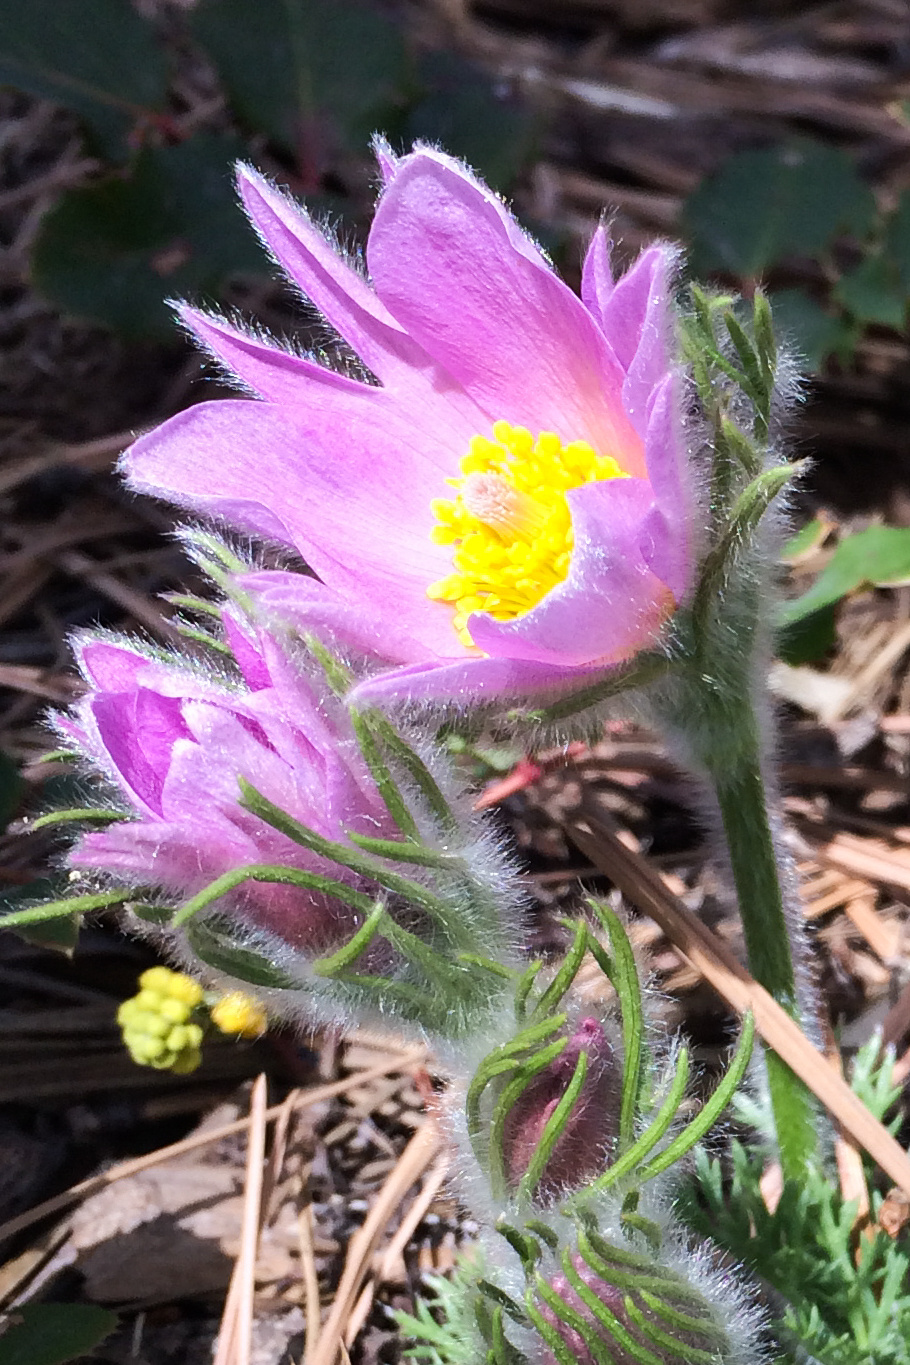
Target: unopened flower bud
{"x": 627, "y": 1315}
{"x": 238, "y": 1014}
{"x": 583, "y": 1147}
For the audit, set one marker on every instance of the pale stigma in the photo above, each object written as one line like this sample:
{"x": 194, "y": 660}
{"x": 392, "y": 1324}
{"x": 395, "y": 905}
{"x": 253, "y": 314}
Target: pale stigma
{"x": 502, "y": 506}
{"x": 509, "y": 523}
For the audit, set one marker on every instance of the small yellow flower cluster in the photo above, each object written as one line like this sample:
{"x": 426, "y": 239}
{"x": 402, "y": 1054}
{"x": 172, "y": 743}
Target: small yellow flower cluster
{"x": 158, "y": 1028}
{"x": 237, "y": 1013}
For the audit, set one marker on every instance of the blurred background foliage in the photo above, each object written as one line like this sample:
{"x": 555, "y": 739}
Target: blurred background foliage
{"x": 298, "y": 86}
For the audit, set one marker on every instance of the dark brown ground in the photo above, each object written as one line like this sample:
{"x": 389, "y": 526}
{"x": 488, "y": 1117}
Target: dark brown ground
{"x": 637, "y": 101}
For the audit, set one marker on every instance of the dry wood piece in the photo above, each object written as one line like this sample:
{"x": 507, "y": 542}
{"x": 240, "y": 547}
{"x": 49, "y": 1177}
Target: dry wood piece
{"x": 407, "y": 1060}
{"x": 417, "y": 1156}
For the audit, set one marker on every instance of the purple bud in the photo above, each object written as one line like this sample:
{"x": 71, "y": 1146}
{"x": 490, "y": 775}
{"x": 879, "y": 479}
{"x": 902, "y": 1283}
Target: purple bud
{"x": 583, "y": 1147}
{"x": 175, "y": 741}
{"x": 657, "y": 1327}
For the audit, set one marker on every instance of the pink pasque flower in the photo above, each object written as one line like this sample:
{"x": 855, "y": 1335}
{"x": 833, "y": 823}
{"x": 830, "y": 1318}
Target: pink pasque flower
{"x": 173, "y": 741}
{"x": 503, "y": 509}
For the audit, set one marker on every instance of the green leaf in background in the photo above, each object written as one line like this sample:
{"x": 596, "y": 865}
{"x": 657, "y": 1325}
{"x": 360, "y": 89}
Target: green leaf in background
{"x": 879, "y": 557}
{"x": 872, "y": 292}
{"x": 815, "y": 333}
{"x": 53, "y": 1333}
{"x": 61, "y": 934}
{"x": 303, "y": 71}
{"x": 807, "y": 538}
{"x": 113, "y": 252}
{"x": 897, "y": 240}
{"x": 97, "y": 57}
{"x": 463, "y": 112}
{"x": 12, "y": 788}
{"x": 764, "y": 206}
{"x": 808, "y": 639}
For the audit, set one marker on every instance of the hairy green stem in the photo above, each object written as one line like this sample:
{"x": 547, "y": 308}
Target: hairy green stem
{"x": 739, "y": 785}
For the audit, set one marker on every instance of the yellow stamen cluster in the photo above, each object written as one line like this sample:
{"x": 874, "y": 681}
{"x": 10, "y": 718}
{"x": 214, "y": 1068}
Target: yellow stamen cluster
{"x": 157, "y": 1025}
{"x": 510, "y": 522}
{"x": 237, "y": 1013}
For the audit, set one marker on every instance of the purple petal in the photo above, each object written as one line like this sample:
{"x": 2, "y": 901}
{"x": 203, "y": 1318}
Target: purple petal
{"x": 625, "y": 312}
{"x": 265, "y": 369}
{"x": 651, "y": 362}
{"x": 171, "y": 856}
{"x": 107, "y": 666}
{"x": 386, "y": 160}
{"x": 348, "y": 483}
{"x": 667, "y": 543}
{"x": 245, "y": 649}
{"x": 452, "y": 266}
{"x": 610, "y": 605}
{"x": 352, "y": 623}
{"x": 138, "y": 731}
{"x": 597, "y": 275}
{"x": 469, "y": 681}
{"x": 312, "y": 262}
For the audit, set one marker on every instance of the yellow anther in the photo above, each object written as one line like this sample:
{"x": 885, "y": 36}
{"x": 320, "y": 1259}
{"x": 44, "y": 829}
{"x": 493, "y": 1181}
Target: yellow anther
{"x": 509, "y": 522}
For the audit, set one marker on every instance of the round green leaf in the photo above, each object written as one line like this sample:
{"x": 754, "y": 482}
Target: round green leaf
{"x": 813, "y": 332}
{"x": 764, "y": 206}
{"x": 879, "y": 556}
{"x": 302, "y": 71}
{"x": 463, "y": 112}
{"x": 97, "y": 57}
{"x": 113, "y": 252}
{"x": 872, "y": 293}
{"x": 53, "y": 1333}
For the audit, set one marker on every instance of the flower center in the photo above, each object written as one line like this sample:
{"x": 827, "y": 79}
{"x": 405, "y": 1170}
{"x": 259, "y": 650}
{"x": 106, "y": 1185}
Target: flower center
{"x": 510, "y": 523}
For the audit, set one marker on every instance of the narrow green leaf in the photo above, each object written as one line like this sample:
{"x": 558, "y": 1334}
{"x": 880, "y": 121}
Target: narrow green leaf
{"x": 347, "y": 857}
{"x": 634, "y": 1155}
{"x": 575, "y": 1321}
{"x": 646, "y": 669}
{"x": 271, "y": 873}
{"x": 511, "y": 1093}
{"x": 684, "y": 1353}
{"x": 388, "y": 789}
{"x": 564, "y": 977}
{"x": 554, "y": 1128}
{"x": 71, "y": 905}
{"x": 711, "y": 1111}
{"x": 349, "y": 952}
{"x": 415, "y": 768}
{"x": 605, "y": 1317}
{"x": 624, "y": 976}
{"x": 403, "y": 851}
{"x": 79, "y": 815}
{"x": 214, "y": 945}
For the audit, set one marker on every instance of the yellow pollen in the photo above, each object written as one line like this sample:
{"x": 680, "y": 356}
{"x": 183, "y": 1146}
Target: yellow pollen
{"x": 509, "y": 523}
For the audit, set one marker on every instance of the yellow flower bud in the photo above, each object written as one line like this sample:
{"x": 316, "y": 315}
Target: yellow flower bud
{"x": 237, "y": 1013}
